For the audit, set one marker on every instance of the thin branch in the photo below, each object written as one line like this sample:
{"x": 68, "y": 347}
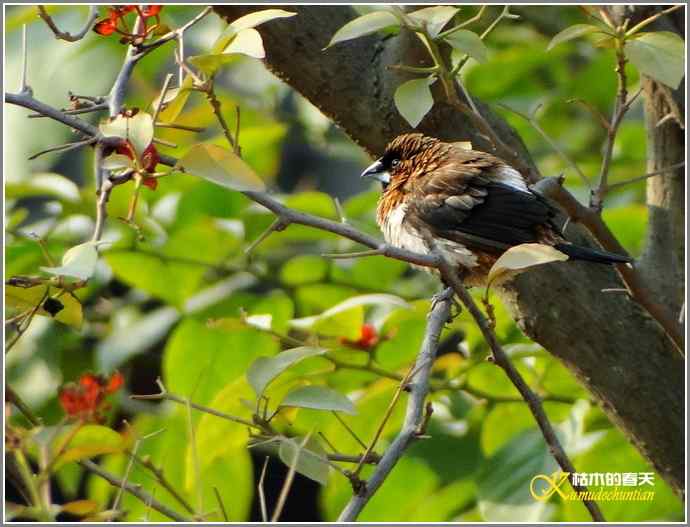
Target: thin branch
{"x": 535, "y": 124}
{"x": 134, "y": 490}
{"x": 260, "y": 490}
{"x": 415, "y": 413}
{"x": 285, "y": 490}
{"x": 24, "y": 83}
{"x": 651, "y": 19}
{"x": 74, "y": 111}
{"x": 13, "y": 397}
{"x": 163, "y": 481}
{"x": 346, "y": 256}
{"x": 500, "y": 358}
{"x": 161, "y": 99}
{"x": 219, "y": 499}
{"x": 63, "y": 35}
{"x": 620, "y": 108}
{"x": 63, "y": 148}
{"x": 660, "y": 172}
{"x": 167, "y": 396}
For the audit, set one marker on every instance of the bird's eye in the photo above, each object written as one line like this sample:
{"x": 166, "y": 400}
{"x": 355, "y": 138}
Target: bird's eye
{"x": 395, "y": 162}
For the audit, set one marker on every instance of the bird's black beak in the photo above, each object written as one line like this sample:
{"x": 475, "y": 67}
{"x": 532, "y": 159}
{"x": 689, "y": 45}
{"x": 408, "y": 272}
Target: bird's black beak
{"x": 378, "y": 172}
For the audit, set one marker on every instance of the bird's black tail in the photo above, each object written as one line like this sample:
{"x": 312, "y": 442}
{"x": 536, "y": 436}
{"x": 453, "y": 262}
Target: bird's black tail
{"x": 591, "y": 255}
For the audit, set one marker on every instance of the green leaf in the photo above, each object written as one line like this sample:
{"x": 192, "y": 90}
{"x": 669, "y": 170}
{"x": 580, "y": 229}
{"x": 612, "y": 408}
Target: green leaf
{"x": 247, "y": 22}
{"x": 346, "y": 318}
{"x": 89, "y": 441}
{"x": 25, "y": 299}
{"x": 199, "y": 361}
{"x": 264, "y": 369}
{"x": 469, "y": 42}
{"x": 413, "y": 99}
{"x": 309, "y": 460}
{"x": 44, "y": 184}
{"x": 571, "y": 33}
{"x": 78, "y": 262}
{"x": 221, "y": 166}
{"x": 434, "y": 18}
{"x": 364, "y": 25}
{"x": 659, "y": 55}
{"x": 304, "y": 269}
{"x": 138, "y": 130}
{"x": 319, "y": 398}
{"x": 524, "y": 256}
{"x": 247, "y": 42}
{"x": 172, "y": 109}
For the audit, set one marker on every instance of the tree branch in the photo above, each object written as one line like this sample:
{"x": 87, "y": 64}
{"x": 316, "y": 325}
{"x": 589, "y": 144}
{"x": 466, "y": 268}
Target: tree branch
{"x": 64, "y": 35}
{"x": 134, "y": 490}
{"x": 415, "y": 414}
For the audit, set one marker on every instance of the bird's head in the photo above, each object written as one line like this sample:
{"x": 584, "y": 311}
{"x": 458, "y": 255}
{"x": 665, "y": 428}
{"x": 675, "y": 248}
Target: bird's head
{"x": 406, "y": 157}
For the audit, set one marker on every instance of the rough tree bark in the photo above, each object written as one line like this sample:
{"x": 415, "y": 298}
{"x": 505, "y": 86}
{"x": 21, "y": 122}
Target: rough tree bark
{"x": 611, "y": 344}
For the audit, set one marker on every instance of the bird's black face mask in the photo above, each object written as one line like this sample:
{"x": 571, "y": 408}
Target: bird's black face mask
{"x": 380, "y": 169}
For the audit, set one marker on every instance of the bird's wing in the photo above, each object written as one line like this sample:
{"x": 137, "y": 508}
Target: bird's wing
{"x": 477, "y": 200}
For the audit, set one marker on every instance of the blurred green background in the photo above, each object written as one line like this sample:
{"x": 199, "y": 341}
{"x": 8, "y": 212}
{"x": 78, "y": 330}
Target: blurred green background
{"x": 146, "y": 312}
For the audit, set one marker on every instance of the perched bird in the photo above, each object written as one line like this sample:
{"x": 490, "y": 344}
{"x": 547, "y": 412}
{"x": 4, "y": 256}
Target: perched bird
{"x": 473, "y": 205}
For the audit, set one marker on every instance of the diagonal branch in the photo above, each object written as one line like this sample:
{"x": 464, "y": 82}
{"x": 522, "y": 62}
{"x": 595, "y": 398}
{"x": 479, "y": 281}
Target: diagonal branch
{"x": 64, "y": 35}
{"x": 415, "y": 416}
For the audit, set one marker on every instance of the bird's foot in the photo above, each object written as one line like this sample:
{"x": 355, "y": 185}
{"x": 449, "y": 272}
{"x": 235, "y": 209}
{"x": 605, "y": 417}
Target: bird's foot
{"x": 442, "y": 296}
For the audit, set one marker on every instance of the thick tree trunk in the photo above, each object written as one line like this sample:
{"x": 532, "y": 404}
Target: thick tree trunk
{"x": 615, "y": 348}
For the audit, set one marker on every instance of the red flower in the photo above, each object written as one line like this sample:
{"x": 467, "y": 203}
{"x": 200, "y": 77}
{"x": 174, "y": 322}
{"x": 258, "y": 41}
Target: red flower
{"x": 151, "y": 10}
{"x": 114, "y": 23}
{"x": 85, "y": 399}
{"x": 105, "y": 27}
{"x": 368, "y": 338}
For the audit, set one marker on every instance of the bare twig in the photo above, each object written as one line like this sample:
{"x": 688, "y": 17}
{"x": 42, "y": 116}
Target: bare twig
{"x": 63, "y": 148}
{"x": 13, "y": 397}
{"x": 219, "y": 499}
{"x": 501, "y": 359}
{"x": 285, "y": 490}
{"x": 161, "y": 99}
{"x": 24, "y": 83}
{"x": 418, "y": 385}
{"x": 260, "y": 490}
{"x": 531, "y": 119}
{"x": 651, "y": 19}
{"x": 63, "y": 35}
{"x": 663, "y": 171}
{"x": 165, "y": 395}
{"x": 134, "y": 490}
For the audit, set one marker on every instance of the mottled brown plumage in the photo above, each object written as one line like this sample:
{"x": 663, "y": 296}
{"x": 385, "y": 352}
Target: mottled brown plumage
{"x": 472, "y": 204}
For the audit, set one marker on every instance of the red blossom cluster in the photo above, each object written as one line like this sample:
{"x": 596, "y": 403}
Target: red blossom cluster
{"x": 85, "y": 399}
{"x": 116, "y": 22}
{"x": 368, "y": 338}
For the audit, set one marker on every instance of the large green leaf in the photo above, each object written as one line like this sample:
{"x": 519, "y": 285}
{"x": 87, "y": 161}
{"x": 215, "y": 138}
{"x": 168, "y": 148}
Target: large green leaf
{"x": 413, "y": 99}
{"x": 89, "y": 441}
{"x": 77, "y": 262}
{"x": 346, "y": 318}
{"x": 434, "y": 18}
{"x": 26, "y": 299}
{"x": 660, "y": 55}
{"x": 319, "y": 398}
{"x": 469, "y": 43}
{"x": 572, "y": 32}
{"x": 199, "y": 361}
{"x": 248, "y": 21}
{"x": 221, "y": 166}
{"x": 308, "y": 457}
{"x": 364, "y": 25}
{"x": 264, "y": 369}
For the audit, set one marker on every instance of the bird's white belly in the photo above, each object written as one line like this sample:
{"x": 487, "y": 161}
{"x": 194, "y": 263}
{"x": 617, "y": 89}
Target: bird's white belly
{"x": 401, "y": 234}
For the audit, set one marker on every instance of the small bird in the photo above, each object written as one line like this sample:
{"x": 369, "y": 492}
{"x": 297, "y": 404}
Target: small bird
{"x": 473, "y": 205}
